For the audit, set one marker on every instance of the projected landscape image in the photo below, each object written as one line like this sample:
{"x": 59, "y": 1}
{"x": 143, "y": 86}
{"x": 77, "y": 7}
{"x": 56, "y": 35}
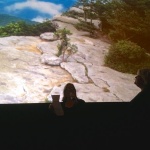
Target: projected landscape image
{"x": 97, "y": 45}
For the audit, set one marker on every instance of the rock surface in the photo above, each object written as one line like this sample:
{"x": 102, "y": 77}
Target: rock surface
{"x": 50, "y": 36}
{"x": 30, "y": 71}
{"x": 23, "y": 78}
{"x": 75, "y": 9}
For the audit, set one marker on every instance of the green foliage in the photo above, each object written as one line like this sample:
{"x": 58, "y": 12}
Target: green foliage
{"x": 65, "y": 46}
{"x": 88, "y": 8}
{"x": 86, "y": 26}
{"x": 121, "y": 19}
{"x": 73, "y": 14}
{"x": 126, "y": 56}
{"x": 62, "y": 33}
{"x": 125, "y": 20}
{"x": 46, "y": 26}
{"x": 139, "y": 6}
{"x": 22, "y": 29}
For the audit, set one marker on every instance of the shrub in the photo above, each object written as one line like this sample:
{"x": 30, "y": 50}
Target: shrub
{"x": 115, "y": 35}
{"x": 126, "y": 56}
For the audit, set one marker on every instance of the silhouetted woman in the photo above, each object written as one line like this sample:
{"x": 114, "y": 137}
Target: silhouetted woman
{"x": 140, "y": 104}
{"x": 142, "y": 80}
{"x": 70, "y": 99}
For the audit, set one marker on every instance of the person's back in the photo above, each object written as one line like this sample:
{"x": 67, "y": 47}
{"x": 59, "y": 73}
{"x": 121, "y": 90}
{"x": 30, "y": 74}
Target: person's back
{"x": 139, "y": 109}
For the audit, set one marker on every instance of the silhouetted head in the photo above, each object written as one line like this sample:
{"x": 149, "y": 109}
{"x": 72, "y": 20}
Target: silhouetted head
{"x": 69, "y": 92}
{"x": 143, "y": 78}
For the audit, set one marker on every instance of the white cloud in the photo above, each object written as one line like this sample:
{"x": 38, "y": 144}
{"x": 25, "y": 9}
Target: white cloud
{"x": 40, "y": 6}
{"x": 39, "y": 19}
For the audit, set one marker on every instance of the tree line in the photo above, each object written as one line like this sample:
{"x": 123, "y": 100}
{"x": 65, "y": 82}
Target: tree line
{"x": 21, "y": 28}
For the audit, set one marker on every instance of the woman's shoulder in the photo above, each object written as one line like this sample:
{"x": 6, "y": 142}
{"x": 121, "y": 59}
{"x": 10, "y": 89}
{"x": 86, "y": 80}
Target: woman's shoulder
{"x": 142, "y": 96}
{"x": 81, "y": 101}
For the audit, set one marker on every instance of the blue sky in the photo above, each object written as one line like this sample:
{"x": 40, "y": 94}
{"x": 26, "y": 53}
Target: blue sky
{"x": 36, "y": 10}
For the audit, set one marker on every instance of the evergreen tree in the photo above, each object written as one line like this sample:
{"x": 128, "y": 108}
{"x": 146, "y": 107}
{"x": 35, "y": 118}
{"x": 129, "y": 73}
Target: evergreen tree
{"x": 84, "y": 4}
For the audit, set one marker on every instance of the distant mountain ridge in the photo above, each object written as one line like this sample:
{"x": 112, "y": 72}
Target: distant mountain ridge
{"x": 6, "y": 19}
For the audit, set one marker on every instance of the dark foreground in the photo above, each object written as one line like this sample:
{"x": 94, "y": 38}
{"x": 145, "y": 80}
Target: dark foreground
{"x": 33, "y": 126}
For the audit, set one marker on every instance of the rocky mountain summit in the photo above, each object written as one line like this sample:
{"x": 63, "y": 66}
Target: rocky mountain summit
{"x": 30, "y": 71}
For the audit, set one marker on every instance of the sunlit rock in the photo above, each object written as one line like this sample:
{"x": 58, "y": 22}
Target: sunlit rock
{"x": 52, "y": 61}
{"x": 23, "y": 78}
{"x": 77, "y": 71}
{"x": 75, "y": 9}
{"x": 65, "y": 19}
{"x": 50, "y": 36}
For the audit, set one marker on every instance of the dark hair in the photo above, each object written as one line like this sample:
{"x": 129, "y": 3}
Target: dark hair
{"x": 145, "y": 75}
{"x": 67, "y": 89}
